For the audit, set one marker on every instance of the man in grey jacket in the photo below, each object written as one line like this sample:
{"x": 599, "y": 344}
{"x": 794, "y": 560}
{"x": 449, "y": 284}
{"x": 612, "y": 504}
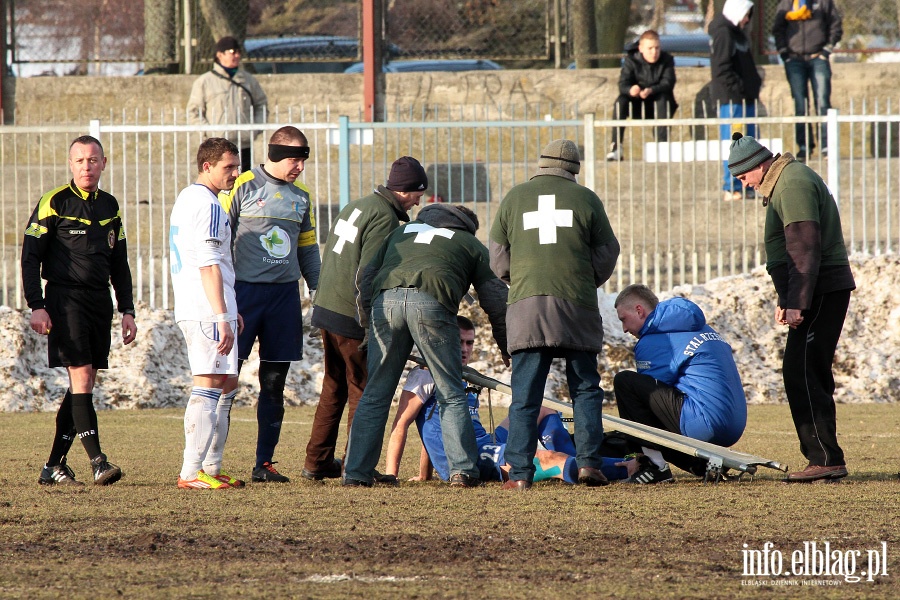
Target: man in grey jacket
{"x": 551, "y": 241}
{"x": 228, "y": 95}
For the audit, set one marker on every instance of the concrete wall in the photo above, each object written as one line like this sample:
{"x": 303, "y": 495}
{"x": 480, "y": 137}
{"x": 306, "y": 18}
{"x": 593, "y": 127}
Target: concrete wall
{"x": 75, "y": 99}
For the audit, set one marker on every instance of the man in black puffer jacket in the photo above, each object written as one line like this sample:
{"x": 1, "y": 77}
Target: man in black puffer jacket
{"x": 646, "y": 89}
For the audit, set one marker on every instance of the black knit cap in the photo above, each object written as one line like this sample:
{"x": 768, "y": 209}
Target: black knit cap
{"x": 407, "y": 175}
{"x": 227, "y": 43}
{"x": 746, "y": 154}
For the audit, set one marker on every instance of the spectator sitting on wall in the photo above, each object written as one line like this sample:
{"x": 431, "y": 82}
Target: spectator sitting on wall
{"x": 646, "y": 89}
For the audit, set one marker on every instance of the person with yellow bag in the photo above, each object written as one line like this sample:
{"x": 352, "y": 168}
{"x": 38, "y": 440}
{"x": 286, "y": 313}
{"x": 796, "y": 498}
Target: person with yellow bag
{"x": 806, "y": 32}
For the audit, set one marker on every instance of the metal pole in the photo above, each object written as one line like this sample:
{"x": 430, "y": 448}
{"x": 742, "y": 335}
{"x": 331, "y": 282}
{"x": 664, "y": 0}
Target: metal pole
{"x": 344, "y": 160}
{"x": 557, "y": 42}
{"x": 188, "y": 40}
{"x": 834, "y": 154}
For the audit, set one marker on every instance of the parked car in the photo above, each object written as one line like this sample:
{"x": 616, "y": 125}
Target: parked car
{"x": 305, "y": 53}
{"x": 687, "y": 50}
{"x": 407, "y": 66}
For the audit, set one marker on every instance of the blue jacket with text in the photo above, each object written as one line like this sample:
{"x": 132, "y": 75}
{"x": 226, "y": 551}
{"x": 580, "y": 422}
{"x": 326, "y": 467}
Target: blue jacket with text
{"x": 678, "y": 348}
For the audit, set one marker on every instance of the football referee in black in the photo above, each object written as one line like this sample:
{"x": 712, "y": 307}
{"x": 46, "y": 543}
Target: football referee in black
{"x": 75, "y": 240}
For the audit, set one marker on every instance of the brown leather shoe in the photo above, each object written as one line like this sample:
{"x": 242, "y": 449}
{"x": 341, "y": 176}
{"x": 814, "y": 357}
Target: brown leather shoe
{"x": 816, "y": 473}
{"x": 591, "y": 477}
{"x": 517, "y": 485}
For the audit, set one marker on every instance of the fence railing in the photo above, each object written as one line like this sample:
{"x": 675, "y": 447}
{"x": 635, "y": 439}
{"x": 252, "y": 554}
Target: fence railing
{"x": 664, "y": 200}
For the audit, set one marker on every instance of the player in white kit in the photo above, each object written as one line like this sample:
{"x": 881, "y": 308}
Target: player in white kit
{"x": 206, "y": 311}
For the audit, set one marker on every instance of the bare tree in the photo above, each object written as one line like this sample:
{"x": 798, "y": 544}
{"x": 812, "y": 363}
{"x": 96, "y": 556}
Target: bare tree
{"x": 584, "y": 30}
{"x": 160, "y": 37}
{"x": 226, "y": 17}
{"x": 612, "y": 25}
{"x": 659, "y": 15}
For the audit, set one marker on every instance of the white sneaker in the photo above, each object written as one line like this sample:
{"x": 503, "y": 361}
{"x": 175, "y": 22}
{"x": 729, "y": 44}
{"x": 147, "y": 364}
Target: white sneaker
{"x": 614, "y": 155}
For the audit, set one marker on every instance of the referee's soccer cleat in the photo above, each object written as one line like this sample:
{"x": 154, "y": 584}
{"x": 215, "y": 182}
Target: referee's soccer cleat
{"x": 105, "y": 473}
{"x": 60, "y": 474}
{"x": 229, "y": 480}
{"x": 204, "y": 481}
{"x": 267, "y": 474}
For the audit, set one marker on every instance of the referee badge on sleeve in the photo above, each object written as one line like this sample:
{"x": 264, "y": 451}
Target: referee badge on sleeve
{"x": 111, "y": 238}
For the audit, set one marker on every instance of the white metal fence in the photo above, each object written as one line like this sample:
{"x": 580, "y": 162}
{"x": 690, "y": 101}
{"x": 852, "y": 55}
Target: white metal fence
{"x": 665, "y": 206}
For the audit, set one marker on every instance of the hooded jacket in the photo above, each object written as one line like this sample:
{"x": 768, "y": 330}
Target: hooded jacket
{"x": 735, "y": 79}
{"x": 678, "y": 348}
{"x": 438, "y": 254}
{"x": 801, "y": 37}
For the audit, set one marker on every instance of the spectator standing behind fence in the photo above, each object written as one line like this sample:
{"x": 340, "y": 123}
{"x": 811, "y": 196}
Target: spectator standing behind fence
{"x": 206, "y": 312}
{"x": 355, "y": 237}
{"x": 807, "y": 260}
{"x": 551, "y": 241}
{"x": 75, "y": 240}
{"x": 646, "y": 89}
{"x": 805, "y": 35}
{"x": 228, "y": 95}
{"x": 735, "y": 80}
{"x": 275, "y": 244}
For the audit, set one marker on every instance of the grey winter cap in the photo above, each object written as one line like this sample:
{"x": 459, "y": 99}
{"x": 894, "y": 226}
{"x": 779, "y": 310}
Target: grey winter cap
{"x": 746, "y": 154}
{"x": 561, "y": 154}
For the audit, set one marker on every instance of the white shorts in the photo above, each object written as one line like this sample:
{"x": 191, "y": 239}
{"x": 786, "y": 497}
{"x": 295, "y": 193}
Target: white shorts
{"x": 202, "y": 346}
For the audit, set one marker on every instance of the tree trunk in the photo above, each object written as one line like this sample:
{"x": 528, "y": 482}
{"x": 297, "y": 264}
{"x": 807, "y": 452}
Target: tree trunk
{"x": 160, "y": 39}
{"x": 612, "y": 25}
{"x": 226, "y": 17}
{"x": 658, "y": 22}
{"x": 584, "y": 32}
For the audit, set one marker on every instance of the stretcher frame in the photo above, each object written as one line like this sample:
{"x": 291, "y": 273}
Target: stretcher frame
{"x": 718, "y": 458}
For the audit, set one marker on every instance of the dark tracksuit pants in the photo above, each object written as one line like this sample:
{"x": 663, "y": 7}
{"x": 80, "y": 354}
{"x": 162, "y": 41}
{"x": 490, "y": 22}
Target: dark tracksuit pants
{"x": 809, "y": 380}
{"x": 643, "y": 399}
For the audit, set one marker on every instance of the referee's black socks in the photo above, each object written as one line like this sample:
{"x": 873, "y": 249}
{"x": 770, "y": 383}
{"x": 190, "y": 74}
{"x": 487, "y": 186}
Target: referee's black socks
{"x": 85, "y": 418}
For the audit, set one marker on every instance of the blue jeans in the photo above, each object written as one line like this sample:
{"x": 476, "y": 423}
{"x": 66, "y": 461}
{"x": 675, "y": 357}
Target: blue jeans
{"x": 400, "y": 318}
{"x": 800, "y": 75}
{"x": 734, "y": 111}
{"x": 529, "y": 375}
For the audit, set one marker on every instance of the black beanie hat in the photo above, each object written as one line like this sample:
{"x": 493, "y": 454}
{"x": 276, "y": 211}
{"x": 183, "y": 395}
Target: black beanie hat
{"x": 407, "y": 175}
{"x": 227, "y": 43}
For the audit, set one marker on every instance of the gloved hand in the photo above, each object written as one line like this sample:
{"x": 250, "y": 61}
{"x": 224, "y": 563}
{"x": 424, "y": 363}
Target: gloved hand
{"x": 785, "y": 56}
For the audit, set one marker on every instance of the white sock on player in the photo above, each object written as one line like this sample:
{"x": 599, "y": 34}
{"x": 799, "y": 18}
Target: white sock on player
{"x": 199, "y": 427}
{"x": 212, "y": 464}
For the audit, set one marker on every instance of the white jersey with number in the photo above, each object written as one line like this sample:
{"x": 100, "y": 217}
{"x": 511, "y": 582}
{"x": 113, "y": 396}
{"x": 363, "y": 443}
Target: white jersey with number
{"x": 199, "y": 236}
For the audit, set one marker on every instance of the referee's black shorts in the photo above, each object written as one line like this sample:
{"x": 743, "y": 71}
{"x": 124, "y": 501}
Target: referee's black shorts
{"x": 81, "y": 323}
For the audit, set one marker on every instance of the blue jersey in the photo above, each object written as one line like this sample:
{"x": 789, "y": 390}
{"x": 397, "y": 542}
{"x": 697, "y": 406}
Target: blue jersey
{"x": 428, "y": 422}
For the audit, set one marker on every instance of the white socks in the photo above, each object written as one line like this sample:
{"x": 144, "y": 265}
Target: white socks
{"x": 655, "y": 457}
{"x": 212, "y": 464}
{"x": 199, "y": 428}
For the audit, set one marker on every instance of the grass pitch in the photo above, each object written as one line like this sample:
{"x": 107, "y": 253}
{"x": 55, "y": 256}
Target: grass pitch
{"x": 144, "y": 538}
